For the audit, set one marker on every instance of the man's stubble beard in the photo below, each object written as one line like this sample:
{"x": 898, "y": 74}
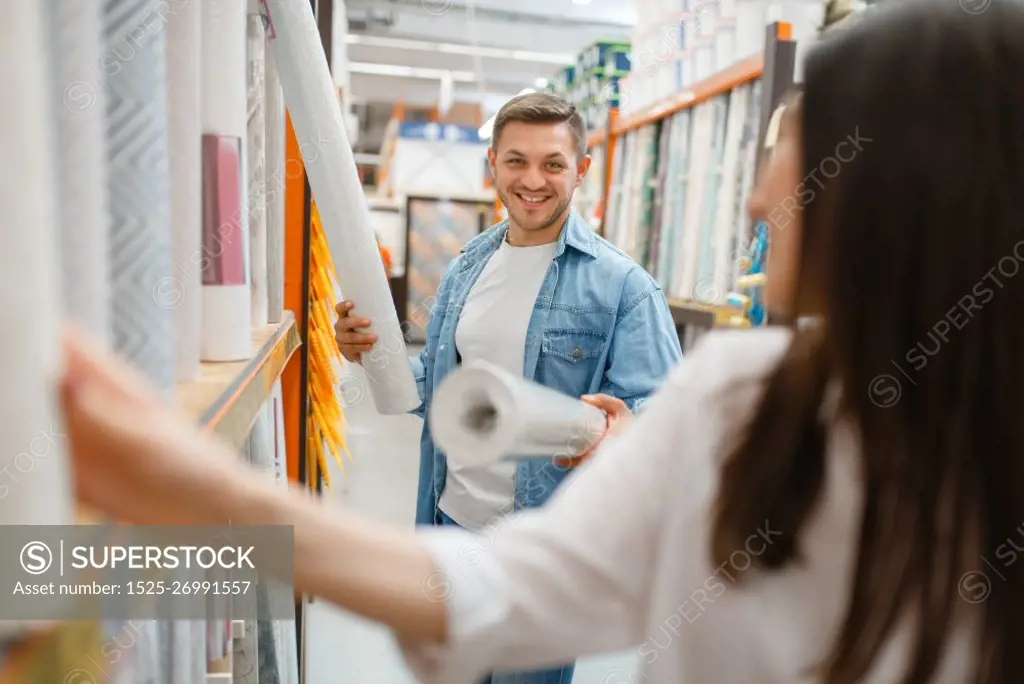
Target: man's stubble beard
{"x": 551, "y": 220}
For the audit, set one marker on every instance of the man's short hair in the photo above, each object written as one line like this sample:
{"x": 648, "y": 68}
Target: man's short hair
{"x": 541, "y": 108}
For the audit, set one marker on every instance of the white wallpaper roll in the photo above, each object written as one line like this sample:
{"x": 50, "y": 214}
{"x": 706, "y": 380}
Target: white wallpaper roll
{"x": 35, "y": 483}
{"x": 285, "y": 649}
{"x": 273, "y": 112}
{"x": 34, "y": 478}
{"x": 225, "y": 262}
{"x": 76, "y": 33}
{"x": 323, "y": 141}
{"x": 257, "y": 168}
{"x": 184, "y": 79}
{"x": 482, "y": 414}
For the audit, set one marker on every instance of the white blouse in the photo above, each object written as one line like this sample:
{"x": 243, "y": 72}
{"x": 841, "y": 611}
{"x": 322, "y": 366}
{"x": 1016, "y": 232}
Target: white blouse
{"x": 620, "y": 556}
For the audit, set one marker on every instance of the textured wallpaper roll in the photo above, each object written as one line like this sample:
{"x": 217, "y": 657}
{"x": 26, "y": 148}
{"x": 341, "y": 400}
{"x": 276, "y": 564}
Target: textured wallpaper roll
{"x": 134, "y": 68}
{"x": 76, "y": 35}
{"x": 227, "y": 308}
{"x": 183, "y": 291}
{"x": 315, "y": 112}
{"x": 257, "y": 168}
{"x": 140, "y": 236}
{"x": 273, "y": 112}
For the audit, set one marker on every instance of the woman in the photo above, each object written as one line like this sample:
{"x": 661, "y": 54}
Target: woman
{"x": 813, "y": 503}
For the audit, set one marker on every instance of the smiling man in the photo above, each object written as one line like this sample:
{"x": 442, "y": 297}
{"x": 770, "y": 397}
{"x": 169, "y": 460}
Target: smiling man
{"x": 542, "y": 296}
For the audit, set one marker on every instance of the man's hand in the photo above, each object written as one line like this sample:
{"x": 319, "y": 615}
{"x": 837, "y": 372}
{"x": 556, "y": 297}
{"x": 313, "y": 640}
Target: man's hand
{"x": 618, "y": 415}
{"x": 350, "y": 333}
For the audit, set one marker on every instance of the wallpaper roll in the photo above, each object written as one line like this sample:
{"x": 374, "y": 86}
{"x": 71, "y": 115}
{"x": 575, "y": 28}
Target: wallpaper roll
{"x": 141, "y": 246}
{"x": 482, "y": 414}
{"x": 283, "y": 630}
{"x": 35, "y": 483}
{"x": 76, "y": 46}
{"x": 316, "y": 115}
{"x": 261, "y": 452}
{"x": 183, "y": 290}
{"x": 273, "y": 112}
{"x": 139, "y": 188}
{"x": 227, "y": 300}
{"x": 257, "y": 168}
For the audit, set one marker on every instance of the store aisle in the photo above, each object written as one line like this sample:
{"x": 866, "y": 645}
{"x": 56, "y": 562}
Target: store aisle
{"x": 342, "y": 649}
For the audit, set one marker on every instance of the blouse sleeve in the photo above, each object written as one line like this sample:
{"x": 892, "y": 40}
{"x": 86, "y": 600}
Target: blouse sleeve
{"x": 572, "y": 578}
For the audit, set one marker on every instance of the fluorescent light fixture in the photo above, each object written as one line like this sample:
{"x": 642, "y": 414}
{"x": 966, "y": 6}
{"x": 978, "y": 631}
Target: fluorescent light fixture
{"x": 487, "y": 129}
{"x": 399, "y": 71}
{"x": 457, "y": 49}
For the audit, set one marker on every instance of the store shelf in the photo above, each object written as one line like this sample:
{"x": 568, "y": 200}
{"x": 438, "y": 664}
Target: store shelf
{"x": 742, "y": 72}
{"x": 701, "y": 315}
{"x": 226, "y": 397}
{"x": 69, "y": 649}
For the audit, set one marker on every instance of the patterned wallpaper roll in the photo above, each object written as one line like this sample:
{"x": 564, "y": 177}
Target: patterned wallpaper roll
{"x": 225, "y": 266}
{"x": 257, "y": 169}
{"x": 75, "y": 31}
{"x": 140, "y": 236}
{"x": 273, "y": 110}
{"x": 134, "y": 70}
{"x": 183, "y": 291}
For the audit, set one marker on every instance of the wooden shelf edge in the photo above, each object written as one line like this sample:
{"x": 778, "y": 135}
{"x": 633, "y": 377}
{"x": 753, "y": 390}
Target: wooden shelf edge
{"x": 709, "y": 316}
{"x": 741, "y": 72}
{"x": 226, "y": 397}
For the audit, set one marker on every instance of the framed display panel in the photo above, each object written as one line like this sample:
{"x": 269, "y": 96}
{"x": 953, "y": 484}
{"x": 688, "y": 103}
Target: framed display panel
{"x": 436, "y": 230}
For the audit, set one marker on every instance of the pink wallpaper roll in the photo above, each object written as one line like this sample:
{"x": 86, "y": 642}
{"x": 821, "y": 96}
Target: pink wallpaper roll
{"x": 223, "y": 261}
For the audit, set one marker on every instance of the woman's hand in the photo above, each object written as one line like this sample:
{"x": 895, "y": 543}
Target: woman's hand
{"x": 618, "y": 416}
{"x": 135, "y": 457}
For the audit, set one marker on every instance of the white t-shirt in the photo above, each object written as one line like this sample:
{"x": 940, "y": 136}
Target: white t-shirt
{"x": 492, "y": 327}
{"x": 619, "y": 557}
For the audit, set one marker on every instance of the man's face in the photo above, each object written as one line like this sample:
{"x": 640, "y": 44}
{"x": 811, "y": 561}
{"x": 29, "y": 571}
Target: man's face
{"x": 536, "y": 168}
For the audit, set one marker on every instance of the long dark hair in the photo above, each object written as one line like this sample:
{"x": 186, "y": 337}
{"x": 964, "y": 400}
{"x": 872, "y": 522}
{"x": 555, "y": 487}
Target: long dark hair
{"x": 912, "y": 242}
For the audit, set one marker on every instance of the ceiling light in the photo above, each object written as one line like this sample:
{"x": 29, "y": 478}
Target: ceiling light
{"x": 400, "y": 71}
{"x": 457, "y": 49}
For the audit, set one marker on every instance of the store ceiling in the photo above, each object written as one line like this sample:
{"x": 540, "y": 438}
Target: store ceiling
{"x": 491, "y": 49}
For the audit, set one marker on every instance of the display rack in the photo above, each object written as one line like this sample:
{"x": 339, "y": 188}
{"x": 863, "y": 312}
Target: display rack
{"x": 229, "y": 398}
{"x": 635, "y": 208}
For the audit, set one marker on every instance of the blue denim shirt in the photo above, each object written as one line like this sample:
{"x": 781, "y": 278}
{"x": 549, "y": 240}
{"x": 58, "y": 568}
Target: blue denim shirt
{"x": 600, "y": 324}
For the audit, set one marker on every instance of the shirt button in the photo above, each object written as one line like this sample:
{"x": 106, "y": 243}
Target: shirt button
{"x": 577, "y": 353}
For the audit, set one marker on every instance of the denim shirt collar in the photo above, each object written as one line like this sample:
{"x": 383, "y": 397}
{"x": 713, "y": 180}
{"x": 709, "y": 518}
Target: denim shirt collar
{"x": 575, "y": 233}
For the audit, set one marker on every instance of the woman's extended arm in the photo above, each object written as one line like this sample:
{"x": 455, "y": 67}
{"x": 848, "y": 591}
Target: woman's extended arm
{"x": 143, "y": 463}
{"x": 539, "y": 588}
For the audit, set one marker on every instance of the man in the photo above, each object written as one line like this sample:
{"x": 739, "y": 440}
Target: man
{"x": 544, "y": 297}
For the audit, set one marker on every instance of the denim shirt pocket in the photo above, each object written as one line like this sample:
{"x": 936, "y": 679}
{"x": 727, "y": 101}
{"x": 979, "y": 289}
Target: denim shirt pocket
{"x": 569, "y": 359}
